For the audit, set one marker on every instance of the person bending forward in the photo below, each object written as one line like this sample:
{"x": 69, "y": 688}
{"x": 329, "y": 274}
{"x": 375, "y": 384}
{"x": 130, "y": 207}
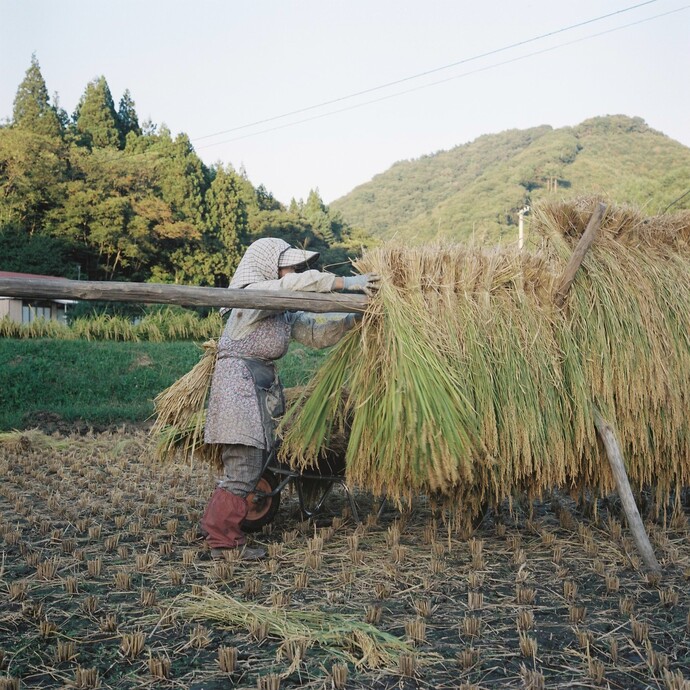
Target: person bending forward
{"x": 246, "y": 395}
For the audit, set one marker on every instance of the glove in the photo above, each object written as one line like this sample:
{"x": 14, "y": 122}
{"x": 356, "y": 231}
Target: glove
{"x": 368, "y": 283}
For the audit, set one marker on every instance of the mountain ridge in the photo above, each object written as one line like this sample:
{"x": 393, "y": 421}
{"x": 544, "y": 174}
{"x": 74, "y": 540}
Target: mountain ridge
{"x": 477, "y": 188}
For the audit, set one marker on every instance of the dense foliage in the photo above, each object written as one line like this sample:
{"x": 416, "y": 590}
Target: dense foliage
{"x": 476, "y": 190}
{"x": 97, "y": 195}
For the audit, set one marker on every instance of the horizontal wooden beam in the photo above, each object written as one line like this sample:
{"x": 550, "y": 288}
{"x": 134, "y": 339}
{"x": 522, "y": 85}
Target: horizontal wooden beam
{"x": 182, "y": 295}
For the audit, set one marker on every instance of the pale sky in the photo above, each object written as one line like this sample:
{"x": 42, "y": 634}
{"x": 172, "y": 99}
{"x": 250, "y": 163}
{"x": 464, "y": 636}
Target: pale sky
{"x": 209, "y": 66}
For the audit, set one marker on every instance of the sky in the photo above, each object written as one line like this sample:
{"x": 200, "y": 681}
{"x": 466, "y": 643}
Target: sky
{"x": 210, "y": 68}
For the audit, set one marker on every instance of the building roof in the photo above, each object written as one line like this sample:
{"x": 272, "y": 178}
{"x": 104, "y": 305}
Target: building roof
{"x": 12, "y": 274}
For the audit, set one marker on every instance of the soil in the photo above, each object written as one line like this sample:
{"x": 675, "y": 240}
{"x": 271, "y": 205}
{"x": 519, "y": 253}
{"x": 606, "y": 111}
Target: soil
{"x": 99, "y": 541}
{"x": 52, "y": 423}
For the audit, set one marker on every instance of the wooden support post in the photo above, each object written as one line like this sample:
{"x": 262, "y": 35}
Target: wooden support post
{"x": 588, "y": 236}
{"x": 632, "y": 514}
{"x": 184, "y": 295}
{"x": 604, "y": 429}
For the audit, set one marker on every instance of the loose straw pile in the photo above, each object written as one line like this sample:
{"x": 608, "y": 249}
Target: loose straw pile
{"x": 343, "y": 635}
{"x": 465, "y": 380}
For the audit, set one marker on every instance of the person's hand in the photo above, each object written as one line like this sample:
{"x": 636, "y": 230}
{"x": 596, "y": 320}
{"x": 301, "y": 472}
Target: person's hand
{"x": 368, "y": 283}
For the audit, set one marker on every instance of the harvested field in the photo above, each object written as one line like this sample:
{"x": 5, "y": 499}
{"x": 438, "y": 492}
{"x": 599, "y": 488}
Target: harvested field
{"x": 106, "y": 584}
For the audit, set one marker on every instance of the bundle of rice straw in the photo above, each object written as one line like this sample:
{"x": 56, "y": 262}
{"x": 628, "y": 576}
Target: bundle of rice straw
{"x": 180, "y": 413}
{"x": 466, "y": 381}
{"x": 343, "y": 635}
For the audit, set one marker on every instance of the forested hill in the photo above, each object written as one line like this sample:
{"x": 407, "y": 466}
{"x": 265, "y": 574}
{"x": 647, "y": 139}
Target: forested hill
{"x": 99, "y": 195}
{"x": 475, "y": 190}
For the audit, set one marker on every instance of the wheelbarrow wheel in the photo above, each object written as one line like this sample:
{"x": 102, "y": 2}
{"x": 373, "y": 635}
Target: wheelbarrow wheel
{"x": 262, "y": 508}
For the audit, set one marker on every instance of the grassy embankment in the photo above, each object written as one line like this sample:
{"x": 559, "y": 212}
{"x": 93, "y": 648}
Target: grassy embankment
{"x": 101, "y": 383}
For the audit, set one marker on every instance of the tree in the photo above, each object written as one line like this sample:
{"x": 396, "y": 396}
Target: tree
{"x": 32, "y": 110}
{"x": 127, "y": 119}
{"x": 34, "y": 254}
{"x": 62, "y": 115}
{"x": 265, "y": 200}
{"x": 227, "y": 220}
{"x": 316, "y": 213}
{"x": 129, "y": 202}
{"x": 33, "y": 170}
{"x": 115, "y": 218}
{"x": 183, "y": 177}
{"x": 95, "y": 117}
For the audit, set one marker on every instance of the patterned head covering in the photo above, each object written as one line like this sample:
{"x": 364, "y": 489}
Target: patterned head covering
{"x": 263, "y": 258}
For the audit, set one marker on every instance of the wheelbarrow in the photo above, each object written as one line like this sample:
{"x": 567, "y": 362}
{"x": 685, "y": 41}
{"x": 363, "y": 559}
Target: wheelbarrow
{"x": 312, "y": 489}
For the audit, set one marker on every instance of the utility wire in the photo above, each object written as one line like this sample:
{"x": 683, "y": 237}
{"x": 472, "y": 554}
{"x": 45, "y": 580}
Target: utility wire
{"x": 447, "y": 79}
{"x": 156, "y": 154}
{"x": 426, "y": 73}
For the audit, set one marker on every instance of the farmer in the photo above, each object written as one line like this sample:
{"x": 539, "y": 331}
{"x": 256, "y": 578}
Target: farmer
{"x": 246, "y": 396}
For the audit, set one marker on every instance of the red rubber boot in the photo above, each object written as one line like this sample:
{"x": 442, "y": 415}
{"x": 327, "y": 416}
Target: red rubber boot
{"x": 221, "y": 524}
{"x": 222, "y": 518}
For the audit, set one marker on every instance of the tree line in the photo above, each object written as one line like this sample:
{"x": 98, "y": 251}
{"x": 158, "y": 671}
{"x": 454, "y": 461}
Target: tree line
{"x": 98, "y": 195}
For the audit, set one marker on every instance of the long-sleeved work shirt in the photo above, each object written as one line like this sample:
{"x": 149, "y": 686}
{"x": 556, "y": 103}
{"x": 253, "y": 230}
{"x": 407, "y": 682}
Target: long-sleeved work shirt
{"x": 233, "y": 415}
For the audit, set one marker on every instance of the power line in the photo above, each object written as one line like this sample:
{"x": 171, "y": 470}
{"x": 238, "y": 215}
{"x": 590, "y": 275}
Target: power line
{"x": 426, "y": 73}
{"x": 443, "y": 81}
{"x": 156, "y": 154}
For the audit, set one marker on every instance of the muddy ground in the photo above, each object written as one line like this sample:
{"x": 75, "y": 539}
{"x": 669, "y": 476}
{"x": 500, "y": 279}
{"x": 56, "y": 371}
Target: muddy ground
{"x": 100, "y": 550}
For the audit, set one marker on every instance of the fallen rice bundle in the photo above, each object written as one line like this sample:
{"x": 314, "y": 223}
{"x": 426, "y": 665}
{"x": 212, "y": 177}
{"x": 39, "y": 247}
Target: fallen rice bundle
{"x": 32, "y": 439}
{"x": 465, "y": 380}
{"x": 343, "y": 635}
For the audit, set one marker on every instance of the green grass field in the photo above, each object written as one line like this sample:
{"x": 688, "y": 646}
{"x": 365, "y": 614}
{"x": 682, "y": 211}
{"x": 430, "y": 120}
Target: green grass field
{"x": 102, "y": 383}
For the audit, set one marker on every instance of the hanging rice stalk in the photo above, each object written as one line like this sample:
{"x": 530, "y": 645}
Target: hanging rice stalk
{"x": 180, "y": 412}
{"x": 343, "y": 635}
{"x": 465, "y": 380}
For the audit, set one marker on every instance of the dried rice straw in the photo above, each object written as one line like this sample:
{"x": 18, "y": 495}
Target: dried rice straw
{"x": 465, "y": 381}
{"x": 343, "y": 635}
{"x": 180, "y": 413}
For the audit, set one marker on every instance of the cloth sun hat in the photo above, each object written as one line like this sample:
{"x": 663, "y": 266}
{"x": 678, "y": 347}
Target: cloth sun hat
{"x": 264, "y": 258}
{"x": 262, "y": 261}
{"x": 296, "y": 257}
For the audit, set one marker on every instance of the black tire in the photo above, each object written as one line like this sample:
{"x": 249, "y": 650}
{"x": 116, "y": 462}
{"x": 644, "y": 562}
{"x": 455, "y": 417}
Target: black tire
{"x": 262, "y": 509}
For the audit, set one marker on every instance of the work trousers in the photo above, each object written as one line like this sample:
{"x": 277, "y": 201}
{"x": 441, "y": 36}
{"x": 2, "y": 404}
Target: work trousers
{"x": 241, "y": 468}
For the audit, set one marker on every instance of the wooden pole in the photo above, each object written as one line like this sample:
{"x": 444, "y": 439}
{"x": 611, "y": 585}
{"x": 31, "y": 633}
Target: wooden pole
{"x": 632, "y": 514}
{"x": 589, "y": 235}
{"x": 604, "y": 429}
{"x": 184, "y": 295}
